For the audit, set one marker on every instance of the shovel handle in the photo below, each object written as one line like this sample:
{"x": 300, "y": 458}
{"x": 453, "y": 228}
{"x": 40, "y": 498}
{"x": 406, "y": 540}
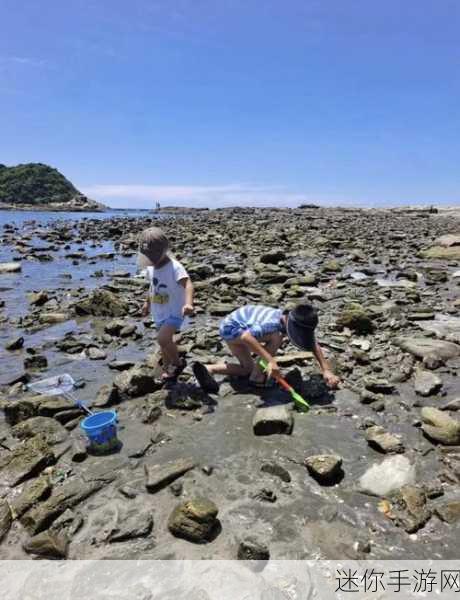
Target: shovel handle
{"x": 283, "y": 383}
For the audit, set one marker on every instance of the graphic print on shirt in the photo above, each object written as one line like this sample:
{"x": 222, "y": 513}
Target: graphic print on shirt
{"x": 159, "y": 293}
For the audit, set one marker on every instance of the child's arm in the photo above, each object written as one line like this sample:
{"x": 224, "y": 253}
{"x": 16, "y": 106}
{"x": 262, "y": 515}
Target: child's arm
{"x": 329, "y": 377}
{"x": 146, "y": 307}
{"x": 252, "y": 343}
{"x": 187, "y": 309}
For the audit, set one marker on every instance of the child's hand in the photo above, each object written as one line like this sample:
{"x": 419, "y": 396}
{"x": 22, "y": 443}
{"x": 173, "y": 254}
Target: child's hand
{"x": 272, "y": 369}
{"x": 145, "y": 309}
{"x": 187, "y": 310}
{"x": 331, "y": 380}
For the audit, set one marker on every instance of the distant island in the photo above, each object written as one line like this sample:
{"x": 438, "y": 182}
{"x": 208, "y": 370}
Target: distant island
{"x": 36, "y": 186}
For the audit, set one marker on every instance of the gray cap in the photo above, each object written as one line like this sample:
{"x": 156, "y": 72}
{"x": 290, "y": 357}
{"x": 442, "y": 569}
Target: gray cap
{"x": 152, "y": 244}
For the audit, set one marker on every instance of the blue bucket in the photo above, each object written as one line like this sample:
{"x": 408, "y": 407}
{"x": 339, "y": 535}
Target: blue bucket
{"x": 101, "y": 431}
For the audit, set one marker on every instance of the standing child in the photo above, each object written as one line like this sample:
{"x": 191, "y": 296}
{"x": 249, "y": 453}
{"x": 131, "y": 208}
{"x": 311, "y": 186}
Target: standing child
{"x": 170, "y": 297}
{"x": 260, "y": 330}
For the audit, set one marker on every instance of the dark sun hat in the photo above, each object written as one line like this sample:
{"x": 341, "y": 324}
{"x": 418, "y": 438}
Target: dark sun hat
{"x": 301, "y": 325}
{"x": 152, "y": 244}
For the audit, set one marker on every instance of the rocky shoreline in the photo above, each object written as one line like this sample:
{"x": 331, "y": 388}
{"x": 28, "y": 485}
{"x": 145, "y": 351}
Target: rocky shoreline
{"x": 372, "y": 471}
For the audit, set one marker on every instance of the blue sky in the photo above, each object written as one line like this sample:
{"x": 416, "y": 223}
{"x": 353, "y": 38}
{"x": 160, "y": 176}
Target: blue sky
{"x": 227, "y": 102}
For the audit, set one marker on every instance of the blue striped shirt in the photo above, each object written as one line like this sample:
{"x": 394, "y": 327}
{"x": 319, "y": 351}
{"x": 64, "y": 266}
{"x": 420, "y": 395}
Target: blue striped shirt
{"x": 258, "y": 320}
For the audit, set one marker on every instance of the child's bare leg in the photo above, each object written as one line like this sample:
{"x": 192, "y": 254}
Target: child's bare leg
{"x": 168, "y": 346}
{"x": 242, "y": 353}
{"x": 271, "y": 345}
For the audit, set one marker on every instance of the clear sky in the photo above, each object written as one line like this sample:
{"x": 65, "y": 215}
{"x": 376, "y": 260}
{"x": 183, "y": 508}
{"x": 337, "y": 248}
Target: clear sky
{"x": 218, "y": 102}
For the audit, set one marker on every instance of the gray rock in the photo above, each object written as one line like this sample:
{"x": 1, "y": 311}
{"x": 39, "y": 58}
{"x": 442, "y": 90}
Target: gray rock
{"x": 135, "y": 382}
{"x": 15, "y": 344}
{"x": 195, "y": 520}
{"x": 5, "y": 518}
{"x": 108, "y": 395}
{"x": 220, "y": 310}
{"x": 273, "y": 257}
{"x": 31, "y": 493}
{"x": 378, "y": 386}
{"x": 440, "y": 427}
{"x": 428, "y": 348}
{"x": 449, "y": 511}
{"x": 276, "y": 470}
{"x": 159, "y": 476}
{"x": 409, "y": 509}
{"x": 272, "y": 420}
{"x": 252, "y": 549}
{"x": 55, "y": 433}
{"x": 114, "y": 327}
{"x": 11, "y": 267}
{"x": 132, "y": 523}
{"x": 383, "y": 441}
{"x": 381, "y": 479}
{"x": 96, "y": 353}
{"x": 355, "y": 317}
{"x": 36, "y": 361}
{"x": 65, "y": 496}
{"x": 426, "y": 383}
{"x": 46, "y": 544}
{"x": 102, "y": 303}
{"x": 38, "y": 298}
{"x": 25, "y": 461}
{"x": 452, "y": 405}
{"x": 325, "y": 468}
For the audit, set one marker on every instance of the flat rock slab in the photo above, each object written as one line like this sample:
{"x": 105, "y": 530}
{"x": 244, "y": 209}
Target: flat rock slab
{"x": 426, "y": 383}
{"x": 25, "y": 461}
{"x": 443, "y": 326}
{"x": 422, "y": 347}
{"x": 440, "y": 427}
{"x": 30, "y": 495}
{"x": 132, "y": 523}
{"x": 195, "y": 520}
{"x": 272, "y": 420}
{"x": 11, "y": 267}
{"x": 159, "y": 476}
{"x": 53, "y": 430}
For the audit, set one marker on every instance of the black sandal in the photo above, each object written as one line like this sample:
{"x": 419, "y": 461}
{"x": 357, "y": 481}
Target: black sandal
{"x": 207, "y": 382}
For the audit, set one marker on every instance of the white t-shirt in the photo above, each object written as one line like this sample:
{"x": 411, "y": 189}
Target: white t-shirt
{"x": 167, "y": 296}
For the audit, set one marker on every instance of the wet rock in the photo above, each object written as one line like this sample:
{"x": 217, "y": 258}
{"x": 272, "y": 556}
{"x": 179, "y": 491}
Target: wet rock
{"x": 25, "y": 460}
{"x": 11, "y": 267}
{"x": 108, "y": 395}
{"x": 452, "y": 405}
{"x": 19, "y": 410}
{"x": 383, "y": 441}
{"x": 65, "y": 496}
{"x": 54, "y": 432}
{"x": 388, "y": 476}
{"x": 15, "y": 344}
{"x": 426, "y": 383}
{"x": 159, "y": 476}
{"x": 440, "y": 427}
{"x": 449, "y": 511}
{"x": 36, "y": 361}
{"x": 354, "y": 317}
{"x": 326, "y": 469}
{"x": 409, "y": 509}
{"x": 273, "y": 420}
{"x": 273, "y": 257}
{"x": 378, "y": 386}
{"x": 128, "y": 330}
{"x": 276, "y": 470}
{"x": 49, "y": 545}
{"x": 441, "y": 252}
{"x": 136, "y": 382}
{"x": 220, "y": 309}
{"x": 53, "y": 318}
{"x": 5, "y": 518}
{"x": 114, "y": 327}
{"x": 195, "y": 520}
{"x": 102, "y": 303}
{"x": 120, "y": 365}
{"x": 252, "y": 549}
{"x": 38, "y": 298}
{"x": 428, "y": 348}
{"x": 96, "y": 353}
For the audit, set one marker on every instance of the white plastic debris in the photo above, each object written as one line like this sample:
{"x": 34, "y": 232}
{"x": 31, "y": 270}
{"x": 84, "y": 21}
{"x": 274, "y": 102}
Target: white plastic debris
{"x": 388, "y": 476}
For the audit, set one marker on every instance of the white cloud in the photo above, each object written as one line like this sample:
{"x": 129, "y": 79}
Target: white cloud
{"x": 23, "y": 60}
{"x": 214, "y": 196}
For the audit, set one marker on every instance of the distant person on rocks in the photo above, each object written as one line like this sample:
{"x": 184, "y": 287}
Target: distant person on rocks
{"x": 170, "y": 297}
{"x": 260, "y": 330}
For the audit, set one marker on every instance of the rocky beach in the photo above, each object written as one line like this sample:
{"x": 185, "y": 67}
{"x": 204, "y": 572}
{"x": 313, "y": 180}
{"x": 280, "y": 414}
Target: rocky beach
{"x": 371, "y": 471}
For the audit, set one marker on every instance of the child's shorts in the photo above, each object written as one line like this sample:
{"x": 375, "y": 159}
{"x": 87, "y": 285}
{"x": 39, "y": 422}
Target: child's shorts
{"x": 173, "y": 321}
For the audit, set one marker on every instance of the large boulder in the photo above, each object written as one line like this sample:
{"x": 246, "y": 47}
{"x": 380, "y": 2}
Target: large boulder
{"x": 102, "y": 303}
{"x": 440, "y": 427}
{"x": 195, "y": 520}
{"x": 354, "y": 317}
{"x": 136, "y": 382}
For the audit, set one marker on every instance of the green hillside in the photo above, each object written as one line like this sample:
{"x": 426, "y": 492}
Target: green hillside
{"x": 34, "y": 183}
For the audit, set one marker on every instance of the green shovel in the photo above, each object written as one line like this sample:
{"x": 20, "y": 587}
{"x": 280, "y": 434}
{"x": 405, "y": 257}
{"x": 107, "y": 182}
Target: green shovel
{"x": 300, "y": 402}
